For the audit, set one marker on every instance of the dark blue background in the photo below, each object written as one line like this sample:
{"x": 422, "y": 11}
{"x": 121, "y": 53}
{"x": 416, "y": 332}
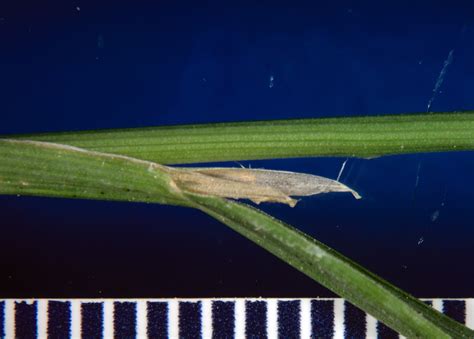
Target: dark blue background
{"x": 76, "y": 65}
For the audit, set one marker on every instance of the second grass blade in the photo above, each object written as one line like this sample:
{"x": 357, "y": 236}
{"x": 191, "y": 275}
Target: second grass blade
{"x": 397, "y": 309}
{"x": 355, "y": 136}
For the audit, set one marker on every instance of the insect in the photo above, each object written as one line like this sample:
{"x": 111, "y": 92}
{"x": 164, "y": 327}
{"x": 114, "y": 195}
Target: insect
{"x": 257, "y": 185}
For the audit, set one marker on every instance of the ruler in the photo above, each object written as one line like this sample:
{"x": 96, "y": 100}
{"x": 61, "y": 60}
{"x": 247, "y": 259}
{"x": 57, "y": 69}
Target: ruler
{"x": 202, "y": 318}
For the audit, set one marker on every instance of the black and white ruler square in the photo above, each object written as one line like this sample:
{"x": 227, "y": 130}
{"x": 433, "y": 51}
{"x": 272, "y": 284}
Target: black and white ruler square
{"x": 201, "y": 318}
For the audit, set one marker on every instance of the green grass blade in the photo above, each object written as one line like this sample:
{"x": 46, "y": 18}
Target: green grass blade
{"x": 29, "y": 168}
{"x": 36, "y": 168}
{"x": 355, "y": 136}
{"x": 395, "y": 308}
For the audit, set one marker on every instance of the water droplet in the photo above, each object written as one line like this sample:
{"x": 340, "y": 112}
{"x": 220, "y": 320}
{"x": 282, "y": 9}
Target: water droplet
{"x": 271, "y": 82}
{"x": 434, "y": 216}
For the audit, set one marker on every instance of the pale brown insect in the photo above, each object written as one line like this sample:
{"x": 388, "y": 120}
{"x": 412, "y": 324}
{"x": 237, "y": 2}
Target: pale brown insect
{"x": 257, "y": 185}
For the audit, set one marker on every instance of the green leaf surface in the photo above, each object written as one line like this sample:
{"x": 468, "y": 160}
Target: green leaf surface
{"x": 387, "y": 303}
{"x": 365, "y": 137}
{"x": 45, "y": 169}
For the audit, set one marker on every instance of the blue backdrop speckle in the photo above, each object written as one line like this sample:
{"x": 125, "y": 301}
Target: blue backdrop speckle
{"x": 85, "y": 65}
